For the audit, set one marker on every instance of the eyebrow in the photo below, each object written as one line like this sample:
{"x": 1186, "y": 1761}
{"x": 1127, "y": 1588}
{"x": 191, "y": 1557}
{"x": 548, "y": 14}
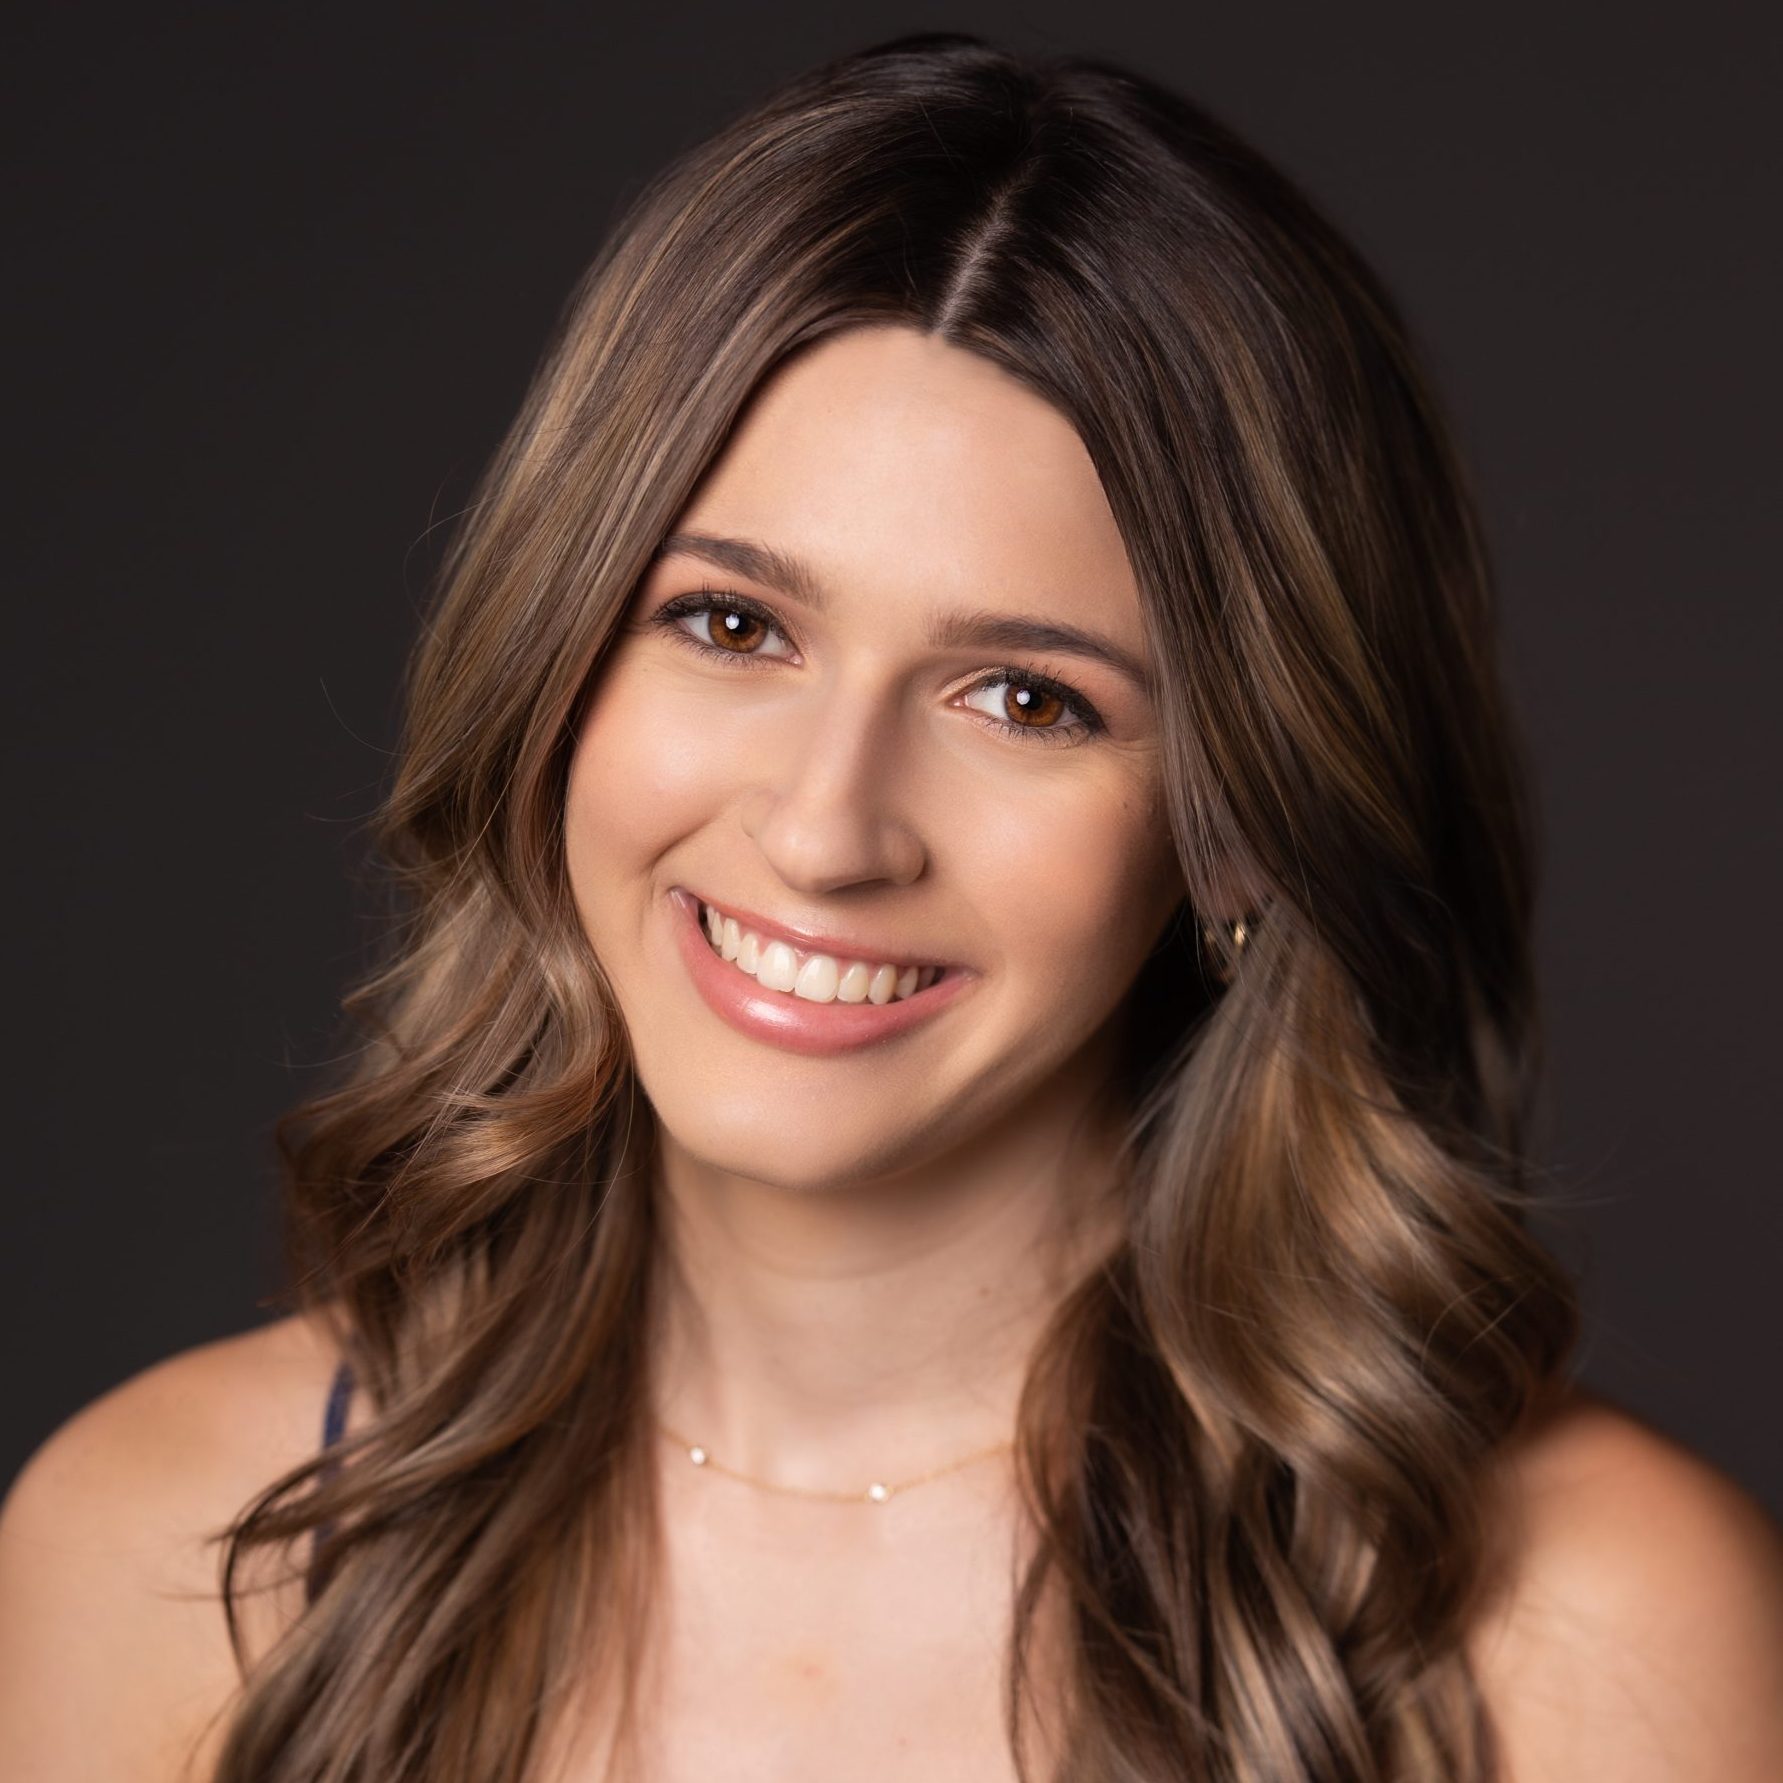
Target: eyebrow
{"x": 790, "y": 574}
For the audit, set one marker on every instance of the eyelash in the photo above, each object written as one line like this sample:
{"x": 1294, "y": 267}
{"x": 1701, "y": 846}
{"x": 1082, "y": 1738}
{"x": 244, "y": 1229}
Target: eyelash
{"x": 722, "y": 600}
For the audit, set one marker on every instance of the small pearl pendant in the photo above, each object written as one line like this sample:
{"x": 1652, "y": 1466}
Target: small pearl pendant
{"x": 697, "y": 1455}
{"x": 878, "y": 1493}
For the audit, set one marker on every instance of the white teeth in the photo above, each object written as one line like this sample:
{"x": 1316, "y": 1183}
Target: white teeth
{"x": 817, "y": 977}
{"x": 779, "y": 968}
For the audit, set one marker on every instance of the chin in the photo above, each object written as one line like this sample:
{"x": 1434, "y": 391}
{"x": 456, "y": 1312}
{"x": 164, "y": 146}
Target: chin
{"x": 742, "y": 1137}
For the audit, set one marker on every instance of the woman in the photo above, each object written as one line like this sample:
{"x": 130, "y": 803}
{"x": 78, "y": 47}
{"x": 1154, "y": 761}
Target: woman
{"x": 936, "y": 1185}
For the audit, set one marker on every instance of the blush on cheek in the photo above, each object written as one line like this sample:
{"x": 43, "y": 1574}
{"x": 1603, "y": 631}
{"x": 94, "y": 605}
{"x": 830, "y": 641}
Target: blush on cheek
{"x": 647, "y": 768}
{"x": 1073, "y": 882}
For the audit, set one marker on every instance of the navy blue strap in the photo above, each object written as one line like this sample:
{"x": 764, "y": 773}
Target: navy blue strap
{"x": 334, "y": 1420}
{"x": 334, "y": 1424}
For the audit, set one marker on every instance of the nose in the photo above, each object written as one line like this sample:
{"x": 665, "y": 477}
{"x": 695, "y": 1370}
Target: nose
{"x": 829, "y": 813}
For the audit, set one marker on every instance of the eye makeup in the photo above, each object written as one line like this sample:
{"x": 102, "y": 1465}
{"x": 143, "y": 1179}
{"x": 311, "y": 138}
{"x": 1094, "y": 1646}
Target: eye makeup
{"x": 711, "y": 603}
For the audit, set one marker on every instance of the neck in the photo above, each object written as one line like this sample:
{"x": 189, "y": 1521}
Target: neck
{"x": 874, "y": 1327}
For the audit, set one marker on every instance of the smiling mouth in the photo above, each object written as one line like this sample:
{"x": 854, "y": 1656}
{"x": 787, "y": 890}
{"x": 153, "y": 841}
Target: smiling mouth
{"x": 776, "y": 965}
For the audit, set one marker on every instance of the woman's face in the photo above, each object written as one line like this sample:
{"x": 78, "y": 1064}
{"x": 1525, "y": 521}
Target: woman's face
{"x": 880, "y": 700}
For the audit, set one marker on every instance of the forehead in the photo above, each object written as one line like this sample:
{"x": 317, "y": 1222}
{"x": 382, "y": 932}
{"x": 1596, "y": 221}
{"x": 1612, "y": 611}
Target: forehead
{"x": 900, "y": 466}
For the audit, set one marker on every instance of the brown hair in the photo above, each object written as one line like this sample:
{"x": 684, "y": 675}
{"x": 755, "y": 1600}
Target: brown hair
{"x": 1253, "y": 1440}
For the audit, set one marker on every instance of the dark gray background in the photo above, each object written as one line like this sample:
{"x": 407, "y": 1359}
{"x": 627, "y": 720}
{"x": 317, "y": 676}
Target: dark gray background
{"x": 279, "y": 276}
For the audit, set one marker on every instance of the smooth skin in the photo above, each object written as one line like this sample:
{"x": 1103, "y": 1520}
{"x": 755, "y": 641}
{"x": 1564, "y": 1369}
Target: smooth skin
{"x": 863, "y": 1248}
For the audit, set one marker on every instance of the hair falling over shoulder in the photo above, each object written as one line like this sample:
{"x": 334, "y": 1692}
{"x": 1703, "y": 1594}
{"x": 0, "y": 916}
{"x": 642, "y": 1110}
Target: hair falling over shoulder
{"x": 1253, "y": 1442}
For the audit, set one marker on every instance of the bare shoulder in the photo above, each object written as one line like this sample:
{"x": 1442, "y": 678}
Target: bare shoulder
{"x": 114, "y": 1654}
{"x": 1635, "y": 1627}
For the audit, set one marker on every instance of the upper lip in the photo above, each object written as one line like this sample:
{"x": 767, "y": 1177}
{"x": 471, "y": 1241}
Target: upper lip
{"x": 812, "y": 940}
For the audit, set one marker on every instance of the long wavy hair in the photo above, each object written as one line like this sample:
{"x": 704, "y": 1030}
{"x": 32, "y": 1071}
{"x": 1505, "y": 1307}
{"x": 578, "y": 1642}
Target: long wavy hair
{"x": 1254, "y": 1438}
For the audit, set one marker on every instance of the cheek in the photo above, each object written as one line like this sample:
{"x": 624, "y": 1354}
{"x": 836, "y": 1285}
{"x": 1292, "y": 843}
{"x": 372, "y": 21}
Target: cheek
{"x": 642, "y": 777}
{"x": 1077, "y": 878}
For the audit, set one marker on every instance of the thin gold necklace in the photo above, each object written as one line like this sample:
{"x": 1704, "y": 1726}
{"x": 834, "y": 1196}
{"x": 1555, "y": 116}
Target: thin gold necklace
{"x": 877, "y": 1493}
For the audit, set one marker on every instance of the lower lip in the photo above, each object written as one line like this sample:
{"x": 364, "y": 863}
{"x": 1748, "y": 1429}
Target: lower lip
{"x": 796, "y": 1023}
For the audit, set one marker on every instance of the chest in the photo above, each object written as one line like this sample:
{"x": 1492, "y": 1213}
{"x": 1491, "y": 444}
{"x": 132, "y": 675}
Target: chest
{"x": 848, "y": 1641}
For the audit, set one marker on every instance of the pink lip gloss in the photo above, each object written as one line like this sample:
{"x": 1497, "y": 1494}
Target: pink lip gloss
{"x": 796, "y": 1023}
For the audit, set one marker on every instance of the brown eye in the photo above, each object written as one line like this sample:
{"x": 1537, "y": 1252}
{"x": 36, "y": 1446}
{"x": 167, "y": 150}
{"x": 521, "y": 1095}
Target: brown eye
{"x": 734, "y": 631}
{"x": 1032, "y": 707}
{"x": 715, "y": 624}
